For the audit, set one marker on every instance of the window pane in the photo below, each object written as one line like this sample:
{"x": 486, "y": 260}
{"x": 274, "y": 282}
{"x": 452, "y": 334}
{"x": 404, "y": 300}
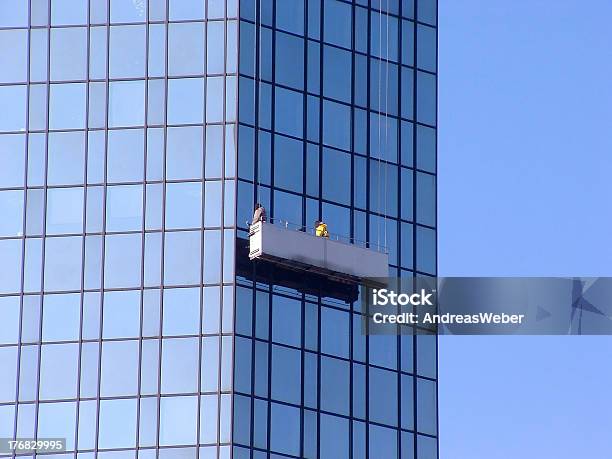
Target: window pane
{"x": 66, "y": 158}
{"x": 12, "y": 158}
{"x": 286, "y": 374}
{"x": 184, "y": 153}
{"x": 127, "y": 51}
{"x": 13, "y": 54}
{"x": 336, "y": 125}
{"x": 183, "y": 205}
{"x": 426, "y": 98}
{"x": 122, "y": 11}
{"x": 11, "y": 209}
{"x": 10, "y": 269}
{"x": 177, "y": 423}
{"x": 67, "y": 106}
{"x": 13, "y": 98}
{"x": 215, "y": 59}
{"x": 186, "y": 9}
{"x": 121, "y": 317}
{"x": 288, "y": 163}
{"x": 68, "y": 12}
{"x": 335, "y": 438}
{"x": 61, "y": 317}
{"x": 426, "y": 406}
{"x": 57, "y": 420}
{"x": 122, "y": 260}
{"x": 289, "y": 112}
{"x": 63, "y": 263}
{"x": 336, "y": 176}
{"x": 383, "y": 396}
{"x": 335, "y": 385}
{"x": 212, "y": 207}
{"x": 180, "y": 358}
{"x": 286, "y": 320}
{"x": 69, "y": 53}
{"x": 426, "y": 48}
{"x": 186, "y": 49}
{"x": 124, "y": 208}
{"x": 119, "y": 368}
{"x": 181, "y": 311}
{"x": 290, "y": 16}
{"x": 337, "y": 65}
{"x": 338, "y": 23}
{"x": 182, "y": 260}
{"x": 56, "y": 384}
{"x": 290, "y": 56}
{"x": 126, "y": 103}
{"x": 335, "y": 337}
{"x": 64, "y": 210}
{"x": 117, "y": 424}
{"x": 285, "y": 427}
{"x": 185, "y": 101}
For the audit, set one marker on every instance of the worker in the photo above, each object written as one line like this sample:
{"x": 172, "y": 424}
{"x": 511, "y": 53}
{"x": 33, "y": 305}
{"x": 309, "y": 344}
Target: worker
{"x": 321, "y": 229}
{"x": 259, "y": 215}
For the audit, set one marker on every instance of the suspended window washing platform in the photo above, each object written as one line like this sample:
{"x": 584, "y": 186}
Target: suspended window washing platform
{"x": 295, "y": 249}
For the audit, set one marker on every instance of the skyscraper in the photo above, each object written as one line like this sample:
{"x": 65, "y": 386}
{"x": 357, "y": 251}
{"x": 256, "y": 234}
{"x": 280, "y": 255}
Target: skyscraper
{"x": 135, "y": 139}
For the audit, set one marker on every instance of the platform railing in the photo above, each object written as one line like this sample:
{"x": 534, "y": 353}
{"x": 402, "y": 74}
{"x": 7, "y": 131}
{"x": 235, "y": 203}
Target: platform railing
{"x": 332, "y": 236}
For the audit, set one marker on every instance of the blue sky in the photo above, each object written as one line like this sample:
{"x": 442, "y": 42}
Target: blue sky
{"x": 525, "y": 181}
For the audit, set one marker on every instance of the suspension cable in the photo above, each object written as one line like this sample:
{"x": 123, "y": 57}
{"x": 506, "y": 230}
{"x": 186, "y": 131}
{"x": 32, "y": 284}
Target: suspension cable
{"x": 379, "y": 185}
{"x": 256, "y": 78}
{"x": 386, "y": 120}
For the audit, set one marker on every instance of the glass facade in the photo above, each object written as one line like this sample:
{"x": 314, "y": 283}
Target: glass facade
{"x": 135, "y": 138}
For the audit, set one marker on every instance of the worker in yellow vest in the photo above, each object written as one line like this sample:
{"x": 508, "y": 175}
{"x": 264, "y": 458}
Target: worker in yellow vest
{"x": 321, "y": 229}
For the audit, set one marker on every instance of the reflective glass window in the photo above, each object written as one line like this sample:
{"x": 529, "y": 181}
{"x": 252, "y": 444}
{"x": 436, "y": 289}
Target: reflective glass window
{"x": 286, "y": 374}
{"x": 122, "y": 11}
{"x": 68, "y": 12}
{"x": 13, "y": 13}
{"x": 209, "y": 406}
{"x": 334, "y": 383}
{"x": 338, "y": 23}
{"x": 210, "y": 364}
{"x": 14, "y": 98}
{"x": 124, "y": 208}
{"x": 117, "y": 423}
{"x": 336, "y": 176}
{"x": 407, "y": 402}
{"x": 67, "y": 106}
{"x": 335, "y": 337}
{"x": 383, "y": 350}
{"x": 186, "y": 48}
{"x": 426, "y": 406}
{"x": 426, "y": 250}
{"x": 383, "y": 86}
{"x": 289, "y": 112}
{"x": 212, "y": 206}
{"x": 285, "y": 428}
{"x": 119, "y": 368}
{"x": 290, "y": 16}
{"x": 13, "y": 55}
{"x": 382, "y": 396}
{"x": 408, "y": 43}
{"x": 214, "y": 99}
{"x": 290, "y": 60}
{"x": 334, "y": 437}
{"x": 56, "y": 384}
{"x": 181, "y": 311}
{"x": 179, "y": 365}
{"x": 122, "y": 260}
{"x": 426, "y": 148}
{"x": 64, "y": 210}
{"x": 121, "y": 314}
{"x": 66, "y": 158}
{"x": 384, "y": 36}
{"x": 426, "y": 48}
{"x": 286, "y": 320}
{"x": 183, "y": 205}
{"x": 9, "y": 315}
{"x": 57, "y": 420}
{"x": 426, "y": 199}
{"x": 427, "y": 11}
{"x": 12, "y": 157}
{"x": 157, "y": 50}
{"x": 212, "y": 255}
{"x": 186, "y": 9}
{"x": 337, "y": 64}
{"x": 63, "y": 263}
{"x": 336, "y": 125}
{"x": 8, "y": 358}
{"x": 182, "y": 260}
{"x": 288, "y": 163}
{"x": 383, "y": 137}
{"x": 426, "y": 98}
{"x": 10, "y": 270}
{"x": 427, "y": 447}
{"x": 125, "y": 158}
{"x": 127, "y": 51}
{"x": 126, "y": 103}
{"x": 185, "y": 100}
{"x": 61, "y": 317}
{"x": 215, "y": 59}
{"x": 178, "y": 420}
{"x": 383, "y": 441}
{"x": 69, "y": 53}
{"x": 11, "y": 208}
